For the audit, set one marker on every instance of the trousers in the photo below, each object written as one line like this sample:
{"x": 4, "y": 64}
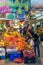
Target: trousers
{"x": 36, "y": 47}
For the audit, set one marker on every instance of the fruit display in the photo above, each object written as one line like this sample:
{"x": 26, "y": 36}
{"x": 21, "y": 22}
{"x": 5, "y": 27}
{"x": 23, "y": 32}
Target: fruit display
{"x": 1, "y": 43}
{"x": 14, "y": 42}
{"x": 14, "y": 38}
{"x": 18, "y": 60}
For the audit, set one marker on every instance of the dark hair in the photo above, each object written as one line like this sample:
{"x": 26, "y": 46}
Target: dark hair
{"x": 28, "y": 24}
{"x": 29, "y": 37}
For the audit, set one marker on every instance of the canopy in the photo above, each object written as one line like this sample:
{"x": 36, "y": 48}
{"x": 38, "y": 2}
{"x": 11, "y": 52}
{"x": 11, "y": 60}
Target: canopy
{"x": 37, "y": 4}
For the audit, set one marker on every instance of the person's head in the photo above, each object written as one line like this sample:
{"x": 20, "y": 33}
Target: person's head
{"x": 28, "y": 25}
{"x": 29, "y": 28}
{"x": 29, "y": 37}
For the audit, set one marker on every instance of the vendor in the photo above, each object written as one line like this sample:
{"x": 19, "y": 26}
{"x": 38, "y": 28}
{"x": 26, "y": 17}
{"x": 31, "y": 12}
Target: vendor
{"x": 25, "y": 29}
{"x": 6, "y": 25}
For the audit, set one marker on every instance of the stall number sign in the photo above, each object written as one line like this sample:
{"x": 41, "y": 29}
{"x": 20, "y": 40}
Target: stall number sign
{"x": 10, "y": 16}
{"x": 21, "y": 16}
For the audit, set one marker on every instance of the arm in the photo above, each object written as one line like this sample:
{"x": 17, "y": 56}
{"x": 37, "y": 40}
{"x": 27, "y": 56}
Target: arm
{"x": 29, "y": 34}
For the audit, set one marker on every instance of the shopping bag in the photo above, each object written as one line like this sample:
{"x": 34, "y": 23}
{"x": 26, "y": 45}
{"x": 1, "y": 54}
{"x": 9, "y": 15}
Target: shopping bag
{"x": 42, "y": 43}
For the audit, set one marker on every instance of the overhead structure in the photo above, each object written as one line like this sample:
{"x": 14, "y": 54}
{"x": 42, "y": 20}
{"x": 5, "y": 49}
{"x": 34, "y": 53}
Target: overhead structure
{"x": 38, "y": 15}
{"x": 14, "y": 6}
{"x": 37, "y": 4}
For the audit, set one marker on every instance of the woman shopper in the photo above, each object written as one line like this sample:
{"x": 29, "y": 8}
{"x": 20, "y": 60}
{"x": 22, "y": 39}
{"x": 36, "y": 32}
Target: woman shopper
{"x": 36, "y": 42}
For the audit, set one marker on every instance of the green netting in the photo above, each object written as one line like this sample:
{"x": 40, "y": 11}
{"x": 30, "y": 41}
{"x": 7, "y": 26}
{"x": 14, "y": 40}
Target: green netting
{"x": 1, "y": 4}
{"x": 9, "y": 3}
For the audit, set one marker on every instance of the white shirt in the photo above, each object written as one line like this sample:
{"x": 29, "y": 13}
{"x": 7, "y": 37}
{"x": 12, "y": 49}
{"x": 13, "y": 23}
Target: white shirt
{"x": 31, "y": 42}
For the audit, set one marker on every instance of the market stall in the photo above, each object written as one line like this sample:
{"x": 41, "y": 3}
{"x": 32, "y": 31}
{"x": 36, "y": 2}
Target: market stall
{"x": 14, "y": 43}
{"x": 12, "y": 21}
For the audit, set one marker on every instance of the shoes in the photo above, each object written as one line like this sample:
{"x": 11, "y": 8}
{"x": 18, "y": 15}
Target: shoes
{"x": 38, "y": 57}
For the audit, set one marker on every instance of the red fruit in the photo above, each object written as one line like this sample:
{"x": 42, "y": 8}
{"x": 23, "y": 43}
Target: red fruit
{"x": 6, "y": 38}
{"x": 18, "y": 60}
{"x": 15, "y": 39}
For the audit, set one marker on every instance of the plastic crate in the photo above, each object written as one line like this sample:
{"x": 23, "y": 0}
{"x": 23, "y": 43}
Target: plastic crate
{"x": 29, "y": 60}
{"x": 13, "y": 56}
{"x": 3, "y": 57}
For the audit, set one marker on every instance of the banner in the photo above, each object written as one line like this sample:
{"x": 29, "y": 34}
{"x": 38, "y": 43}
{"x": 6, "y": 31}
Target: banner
{"x": 14, "y": 6}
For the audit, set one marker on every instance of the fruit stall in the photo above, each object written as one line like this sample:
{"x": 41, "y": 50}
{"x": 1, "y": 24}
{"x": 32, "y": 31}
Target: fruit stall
{"x": 13, "y": 46}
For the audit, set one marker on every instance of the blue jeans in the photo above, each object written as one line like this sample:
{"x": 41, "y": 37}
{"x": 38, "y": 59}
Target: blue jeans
{"x": 36, "y": 46}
